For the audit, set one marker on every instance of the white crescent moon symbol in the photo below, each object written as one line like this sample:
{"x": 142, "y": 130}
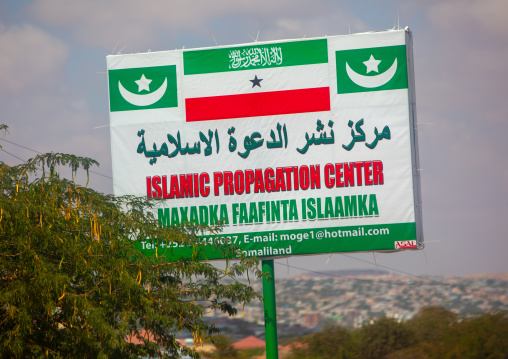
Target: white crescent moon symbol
{"x": 143, "y": 100}
{"x": 372, "y": 81}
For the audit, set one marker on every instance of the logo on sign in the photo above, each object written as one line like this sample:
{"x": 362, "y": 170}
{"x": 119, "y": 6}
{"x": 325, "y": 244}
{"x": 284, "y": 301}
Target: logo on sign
{"x": 142, "y": 88}
{"x": 373, "y": 69}
{"x": 405, "y": 245}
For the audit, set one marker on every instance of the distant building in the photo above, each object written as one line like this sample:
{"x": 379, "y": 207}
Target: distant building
{"x": 249, "y": 343}
{"x": 311, "y": 320}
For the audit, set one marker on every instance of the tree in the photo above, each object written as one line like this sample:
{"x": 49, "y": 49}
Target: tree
{"x": 482, "y": 336}
{"x": 72, "y": 283}
{"x": 383, "y": 337}
{"x": 430, "y": 322}
{"x": 331, "y": 342}
{"x": 224, "y": 348}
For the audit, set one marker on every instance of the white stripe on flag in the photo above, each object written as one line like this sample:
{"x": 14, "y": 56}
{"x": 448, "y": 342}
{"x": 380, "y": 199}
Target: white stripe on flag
{"x": 238, "y": 82}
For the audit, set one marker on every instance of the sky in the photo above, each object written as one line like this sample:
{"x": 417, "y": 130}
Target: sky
{"x": 53, "y": 97}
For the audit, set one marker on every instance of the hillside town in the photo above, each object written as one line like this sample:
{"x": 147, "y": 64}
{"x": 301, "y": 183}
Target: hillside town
{"x": 307, "y": 302}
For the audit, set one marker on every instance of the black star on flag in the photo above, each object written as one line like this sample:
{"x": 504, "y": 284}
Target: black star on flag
{"x": 256, "y": 81}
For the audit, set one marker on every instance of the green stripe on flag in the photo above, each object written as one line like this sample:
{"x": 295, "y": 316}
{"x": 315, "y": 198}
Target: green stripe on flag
{"x": 307, "y": 52}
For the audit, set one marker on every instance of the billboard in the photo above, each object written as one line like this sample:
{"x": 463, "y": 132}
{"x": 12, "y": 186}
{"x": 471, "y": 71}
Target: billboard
{"x": 300, "y": 146}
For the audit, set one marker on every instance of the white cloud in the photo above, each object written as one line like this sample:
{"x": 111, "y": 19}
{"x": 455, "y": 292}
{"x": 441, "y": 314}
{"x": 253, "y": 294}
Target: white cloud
{"x": 480, "y": 16}
{"x": 140, "y": 25}
{"x": 325, "y": 24}
{"x": 459, "y": 61}
{"x": 29, "y": 57}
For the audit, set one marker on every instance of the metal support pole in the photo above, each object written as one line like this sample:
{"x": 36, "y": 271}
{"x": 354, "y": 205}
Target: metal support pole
{"x": 272, "y": 347}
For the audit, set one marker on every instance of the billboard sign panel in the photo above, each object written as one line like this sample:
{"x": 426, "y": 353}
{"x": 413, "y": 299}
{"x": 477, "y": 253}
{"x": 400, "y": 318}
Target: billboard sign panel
{"x": 300, "y": 146}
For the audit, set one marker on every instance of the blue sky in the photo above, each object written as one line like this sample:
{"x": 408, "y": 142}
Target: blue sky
{"x": 53, "y": 96}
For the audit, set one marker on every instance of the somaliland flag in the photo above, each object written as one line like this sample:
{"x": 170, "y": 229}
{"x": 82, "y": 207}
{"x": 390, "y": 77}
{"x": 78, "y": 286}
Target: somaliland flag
{"x": 258, "y": 80}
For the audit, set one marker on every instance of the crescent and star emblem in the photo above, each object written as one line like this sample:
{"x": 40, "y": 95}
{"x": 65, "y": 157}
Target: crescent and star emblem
{"x": 143, "y": 100}
{"x": 372, "y": 81}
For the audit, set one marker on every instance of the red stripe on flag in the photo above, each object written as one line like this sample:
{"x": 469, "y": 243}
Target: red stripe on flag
{"x": 258, "y": 104}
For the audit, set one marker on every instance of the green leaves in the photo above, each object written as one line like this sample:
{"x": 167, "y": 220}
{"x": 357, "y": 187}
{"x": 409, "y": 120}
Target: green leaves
{"x": 52, "y": 160}
{"x": 74, "y": 285}
{"x": 434, "y": 333}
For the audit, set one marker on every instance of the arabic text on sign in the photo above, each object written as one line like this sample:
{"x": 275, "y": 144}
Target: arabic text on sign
{"x": 255, "y": 57}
